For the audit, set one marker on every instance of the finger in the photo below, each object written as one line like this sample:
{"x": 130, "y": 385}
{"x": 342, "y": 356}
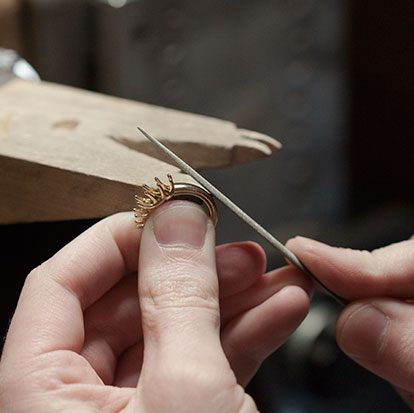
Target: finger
{"x": 49, "y": 314}
{"x": 129, "y": 366}
{"x": 112, "y": 325}
{"x": 379, "y": 335}
{"x": 265, "y": 287}
{"x": 407, "y": 396}
{"x": 355, "y": 274}
{"x": 254, "y": 335}
{"x": 238, "y": 266}
{"x": 178, "y": 291}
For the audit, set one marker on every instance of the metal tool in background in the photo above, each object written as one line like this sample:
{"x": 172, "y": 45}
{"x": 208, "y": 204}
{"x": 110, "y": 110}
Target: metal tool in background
{"x": 12, "y": 66}
{"x": 241, "y": 214}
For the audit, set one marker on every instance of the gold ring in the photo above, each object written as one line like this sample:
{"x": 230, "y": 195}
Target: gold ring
{"x": 154, "y": 197}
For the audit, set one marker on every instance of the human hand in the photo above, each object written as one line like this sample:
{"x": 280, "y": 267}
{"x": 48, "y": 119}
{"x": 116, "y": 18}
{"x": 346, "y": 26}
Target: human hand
{"x": 376, "y": 329}
{"x": 81, "y": 339}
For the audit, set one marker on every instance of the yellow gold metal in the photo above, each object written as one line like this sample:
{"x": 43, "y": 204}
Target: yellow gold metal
{"x": 154, "y": 197}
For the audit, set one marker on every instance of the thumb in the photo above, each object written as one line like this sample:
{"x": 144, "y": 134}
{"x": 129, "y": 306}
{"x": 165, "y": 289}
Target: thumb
{"x": 178, "y": 293}
{"x": 379, "y": 335}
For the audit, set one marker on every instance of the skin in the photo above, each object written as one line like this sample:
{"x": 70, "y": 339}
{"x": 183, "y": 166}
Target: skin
{"x": 186, "y": 334}
{"x": 376, "y": 329}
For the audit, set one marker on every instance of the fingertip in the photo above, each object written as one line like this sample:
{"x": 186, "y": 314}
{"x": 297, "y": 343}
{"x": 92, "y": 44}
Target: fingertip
{"x": 239, "y": 265}
{"x": 126, "y": 236}
{"x": 297, "y": 295}
{"x": 285, "y": 310}
{"x": 249, "y": 250}
{"x": 361, "y": 331}
{"x": 256, "y": 252}
{"x": 303, "y": 245}
{"x": 377, "y": 334}
{"x": 337, "y": 268}
{"x": 295, "y": 240}
{"x": 307, "y": 250}
{"x": 343, "y": 317}
{"x": 298, "y": 241}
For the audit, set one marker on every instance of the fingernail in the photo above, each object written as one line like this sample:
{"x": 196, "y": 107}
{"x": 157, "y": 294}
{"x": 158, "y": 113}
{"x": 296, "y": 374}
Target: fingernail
{"x": 363, "y": 333}
{"x": 180, "y": 224}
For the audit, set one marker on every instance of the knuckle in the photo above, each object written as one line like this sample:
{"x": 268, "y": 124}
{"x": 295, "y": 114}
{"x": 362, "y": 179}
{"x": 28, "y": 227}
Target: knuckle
{"x": 37, "y": 272}
{"x": 181, "y": 285}
{"x": 32, "y": 278}
{"x": 33, "y": 275}
{"x": 35, "y": 281}
{"x": 207, "y": 380}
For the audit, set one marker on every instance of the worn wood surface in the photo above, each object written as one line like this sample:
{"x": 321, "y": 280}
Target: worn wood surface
{"x": 66, "y": 153}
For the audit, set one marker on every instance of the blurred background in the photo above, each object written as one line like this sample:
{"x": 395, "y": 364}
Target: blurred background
{"x": 331, "y": 79}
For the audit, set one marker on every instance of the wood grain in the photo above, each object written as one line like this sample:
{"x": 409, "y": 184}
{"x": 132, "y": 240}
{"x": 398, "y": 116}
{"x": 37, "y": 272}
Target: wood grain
{"x": 67, "y": 153}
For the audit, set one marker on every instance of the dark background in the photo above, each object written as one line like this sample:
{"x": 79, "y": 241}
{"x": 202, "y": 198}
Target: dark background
{"x": 333, "y": 80}
{"x": 381, "y": 116}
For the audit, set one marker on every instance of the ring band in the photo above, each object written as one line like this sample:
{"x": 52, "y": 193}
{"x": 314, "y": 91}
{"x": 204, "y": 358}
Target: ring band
{"x": 153, "y": 198}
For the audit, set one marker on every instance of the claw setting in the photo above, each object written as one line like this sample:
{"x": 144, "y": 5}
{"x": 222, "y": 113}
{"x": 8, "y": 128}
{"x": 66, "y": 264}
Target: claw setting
{"x": 153, "y": 198}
